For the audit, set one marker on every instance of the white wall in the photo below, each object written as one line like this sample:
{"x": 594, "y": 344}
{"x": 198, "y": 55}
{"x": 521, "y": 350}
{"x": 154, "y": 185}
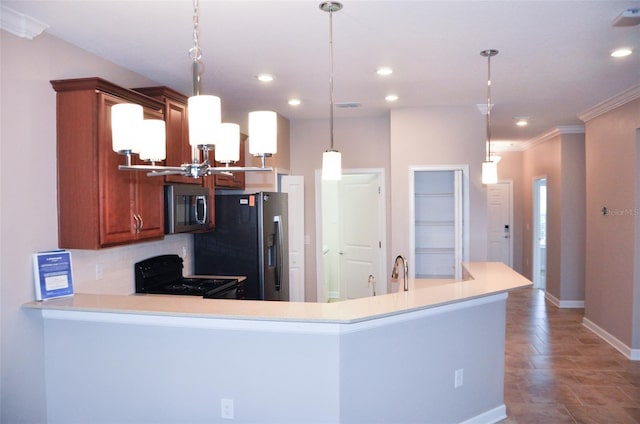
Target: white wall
{"x": 428, "y": 136}
{"x": 364, "y": 143}
{"x": 28, "y": 209}
{"x": 612, "y": 180}
{"x": 437, "y": 136}
{"x": 118, "y": 368}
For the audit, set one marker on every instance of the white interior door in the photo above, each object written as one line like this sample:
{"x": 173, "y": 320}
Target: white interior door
{"x": 500, "y": 225}
{"x": 294, "y": 186}
{"x": 360, "y": 223}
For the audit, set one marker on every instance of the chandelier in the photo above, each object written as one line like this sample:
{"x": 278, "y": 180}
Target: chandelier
{"x": 331, "y": 158}
{"x": 132, "y": 134}
{"x": 490, "y": 165}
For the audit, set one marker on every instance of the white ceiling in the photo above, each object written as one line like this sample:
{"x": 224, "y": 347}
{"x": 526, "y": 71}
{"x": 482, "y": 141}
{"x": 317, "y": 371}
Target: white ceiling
{"x": 553, "y": 63}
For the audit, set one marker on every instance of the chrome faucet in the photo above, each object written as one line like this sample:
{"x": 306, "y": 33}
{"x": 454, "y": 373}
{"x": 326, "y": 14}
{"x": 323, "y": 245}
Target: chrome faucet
{"x": 395, "y": 272}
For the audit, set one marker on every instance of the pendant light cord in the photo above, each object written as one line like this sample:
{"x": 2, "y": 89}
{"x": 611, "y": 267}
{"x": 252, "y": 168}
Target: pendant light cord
{"x": 488, "y": 54}
{"x": 331, "y": 74}
{"x": 489, "y": 107}
{"x": 195, "y": 52}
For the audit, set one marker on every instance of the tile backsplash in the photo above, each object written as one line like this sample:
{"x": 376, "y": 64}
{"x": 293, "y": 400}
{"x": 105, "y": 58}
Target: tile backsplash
{"x": 110, "y": 271}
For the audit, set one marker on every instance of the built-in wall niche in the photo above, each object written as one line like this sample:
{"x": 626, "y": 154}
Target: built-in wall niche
{"x": 439, "y": 238}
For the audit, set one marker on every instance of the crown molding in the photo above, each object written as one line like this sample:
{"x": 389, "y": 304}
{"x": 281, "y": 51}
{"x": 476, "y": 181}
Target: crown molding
{"x": 20, "y": 24}
{"x": 614, "y": 102}
{"x": 555, "y": 132}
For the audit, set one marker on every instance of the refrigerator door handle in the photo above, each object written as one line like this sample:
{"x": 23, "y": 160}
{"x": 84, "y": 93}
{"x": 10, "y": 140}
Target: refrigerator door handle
{"x": 201, "y": 200}
{"x": 277, "y": 220}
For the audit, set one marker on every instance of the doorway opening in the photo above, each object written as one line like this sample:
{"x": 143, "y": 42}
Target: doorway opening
{"x": 540, "y": 233}
{"x": 438, "y": 217}
{"x": 351, "y": 242}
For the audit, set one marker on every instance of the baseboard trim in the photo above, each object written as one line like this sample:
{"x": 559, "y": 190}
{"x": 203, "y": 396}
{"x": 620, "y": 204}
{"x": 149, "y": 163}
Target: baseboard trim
{"x": 568, "y": 304}
{"x": 494, "y": 415}
{"x": 631, "y": 354}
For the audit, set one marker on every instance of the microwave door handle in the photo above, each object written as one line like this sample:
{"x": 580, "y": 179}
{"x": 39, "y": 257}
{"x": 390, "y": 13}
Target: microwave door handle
{"x": 277, "y": 220}
{"x": 202, "y": 220}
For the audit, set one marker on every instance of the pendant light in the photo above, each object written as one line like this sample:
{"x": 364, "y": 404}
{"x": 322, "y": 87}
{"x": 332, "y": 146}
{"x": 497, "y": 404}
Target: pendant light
{"x": 331, "y": 159}
{"x": 489, "y": 166}
{"x": 131, "y": 134}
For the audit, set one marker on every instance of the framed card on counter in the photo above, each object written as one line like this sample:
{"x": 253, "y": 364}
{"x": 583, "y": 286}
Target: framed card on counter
{"x": 52, "y": 274}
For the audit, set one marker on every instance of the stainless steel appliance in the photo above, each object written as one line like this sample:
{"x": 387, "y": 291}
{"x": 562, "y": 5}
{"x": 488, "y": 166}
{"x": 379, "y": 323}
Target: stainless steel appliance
{"x": 163, "y": 275}
{"x": 185, "y": 208}
{"x": 250, "y": 239}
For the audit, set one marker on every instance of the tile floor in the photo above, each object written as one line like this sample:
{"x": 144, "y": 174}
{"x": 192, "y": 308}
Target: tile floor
{"x": 557, "y": 371}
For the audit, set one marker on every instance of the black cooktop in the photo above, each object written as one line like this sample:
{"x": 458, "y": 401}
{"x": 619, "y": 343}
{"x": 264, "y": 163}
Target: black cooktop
{"x": 163, "y": 275}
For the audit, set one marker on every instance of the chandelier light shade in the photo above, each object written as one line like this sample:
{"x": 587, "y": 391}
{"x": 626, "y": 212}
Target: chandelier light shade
{"x": 489, "y": 166}
{"x": 228, "y": 147}
{"x": 331, "y": 165}
{"x": 331, "y": 159}
{"x": 153, "y": 140}
{"x": 131, "y": 134}
{"x": 489, "y": 172}
{"x": 125, "y": 127}
{"x": 263, "y": 133}
{"x": 204, "y": 120}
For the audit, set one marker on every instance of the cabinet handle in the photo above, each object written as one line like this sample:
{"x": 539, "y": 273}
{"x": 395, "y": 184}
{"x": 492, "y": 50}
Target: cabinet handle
{"x": 138, "y": 222}
{"x": 141, "y": 223}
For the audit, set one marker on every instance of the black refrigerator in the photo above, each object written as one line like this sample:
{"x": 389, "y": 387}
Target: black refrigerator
{"x": 251, "y": 239}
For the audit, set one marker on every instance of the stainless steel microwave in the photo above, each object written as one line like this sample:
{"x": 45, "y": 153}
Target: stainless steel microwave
{"x": 185, "y": 208}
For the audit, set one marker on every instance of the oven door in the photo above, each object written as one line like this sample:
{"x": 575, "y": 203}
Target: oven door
{"x": 186, "y": 208}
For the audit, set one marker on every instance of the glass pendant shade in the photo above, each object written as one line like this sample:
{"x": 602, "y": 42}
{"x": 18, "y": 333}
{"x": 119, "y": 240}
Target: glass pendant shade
{"x": 153, "y": 140}
{"x": 125, "y": 126}
{"x": 331, "y": 165}
{"x": 228, "y": 148}
{"x": 489, "y": 172}
{"x": 132, "y": 134}
{"x": 204, "y": 120}
{"x": 263, "y": 133}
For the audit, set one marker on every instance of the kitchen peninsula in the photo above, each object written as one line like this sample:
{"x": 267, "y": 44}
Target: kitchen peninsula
{"x": 432, "y": 354}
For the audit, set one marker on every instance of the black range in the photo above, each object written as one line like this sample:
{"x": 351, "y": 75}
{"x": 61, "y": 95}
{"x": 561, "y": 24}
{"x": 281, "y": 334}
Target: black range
{"x": 163, "y": 275}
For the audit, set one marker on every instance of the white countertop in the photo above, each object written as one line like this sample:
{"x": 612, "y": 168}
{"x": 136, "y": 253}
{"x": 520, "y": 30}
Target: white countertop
{"x": 487, "y": 278}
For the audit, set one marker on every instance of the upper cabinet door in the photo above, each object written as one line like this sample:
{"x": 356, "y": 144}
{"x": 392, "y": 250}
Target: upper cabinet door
{"x": 98, "y": 205}
{"x": 117, "y": 188}
{"x": 177, "y": 123}
{"x": 131, "y": 203}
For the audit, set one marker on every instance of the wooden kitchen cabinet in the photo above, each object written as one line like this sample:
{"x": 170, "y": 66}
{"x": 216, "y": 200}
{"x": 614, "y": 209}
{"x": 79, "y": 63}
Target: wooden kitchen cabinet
{"x": 233, "y": 180}
{"x": 98, "y": 205}
{"x": 176, "y": 120}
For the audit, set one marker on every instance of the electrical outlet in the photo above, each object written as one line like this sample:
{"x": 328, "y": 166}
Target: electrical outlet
{"x": 99, "y": 272}
{"x": 458, "y": 378}
{"x": 226, "y": 408}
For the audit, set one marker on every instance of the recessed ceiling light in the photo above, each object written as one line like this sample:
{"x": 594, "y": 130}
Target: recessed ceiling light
{"x": 384, "y": 71}
{"x": 294, "y": 102}
{"x": 522, "y": 121}
{"x": 265, "y": 78}
{"x": 622, "y": 52}
{"x": 391, "y": 98}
